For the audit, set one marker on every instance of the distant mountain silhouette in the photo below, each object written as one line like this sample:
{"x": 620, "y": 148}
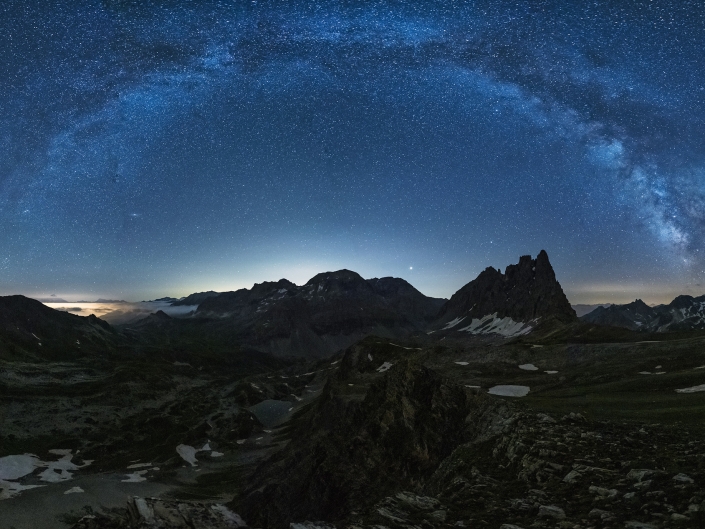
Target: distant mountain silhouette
{"x": 330, "y": 312}
{"x": 682, "y": 314}
{"x": 195, "y": 299}
{"x": 28, "y": 328}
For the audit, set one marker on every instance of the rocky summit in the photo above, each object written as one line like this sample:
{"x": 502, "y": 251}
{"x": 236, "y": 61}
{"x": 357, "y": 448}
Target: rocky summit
{"x": 508, "y": 303}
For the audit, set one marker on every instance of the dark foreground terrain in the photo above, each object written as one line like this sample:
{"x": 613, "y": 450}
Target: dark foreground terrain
{"x": 386, "y": 434}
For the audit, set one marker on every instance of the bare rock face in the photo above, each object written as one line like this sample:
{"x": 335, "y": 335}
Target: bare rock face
{"x": 345, "y": 452}
{"x": 526, "y": 291}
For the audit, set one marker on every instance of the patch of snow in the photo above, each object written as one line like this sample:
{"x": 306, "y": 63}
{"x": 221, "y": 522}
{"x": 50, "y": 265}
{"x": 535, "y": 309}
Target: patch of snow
{"x": 205, "y": 448}
{"x": 528, "y": 367}
{"x": 473, "y": 387}
{"x": 453, "y": 323}
{"x": 369, "y": 357}
{"x": 644, "y": 372}
{"x": 58, "y": 471}
{"x": 241, "y": 441}
{"x": 139, "y": 465}
{"x": 462, "y": 363}
{"x": 407, "y": 348}
{"x": 60, "y": 451}
{"x": 384, "y": 367}
{"x": 135, "y": 477}
{"x": 15, "y": 467}
{"x": 509, "y": 391}
{"x": 491, "y": 324}
{"x": 551, "y": 372}
{"x": 658, "y": 367}
{"x": 188, "y": 454}
{"x": 694, "y": 389}
{"x": 699, "y": 367}
{"x": 8, "y": 489}
{"x": 660, "y": 373}
{"x": 182, "y": 364}
{"x": 74, "y": 490}
{"x": 217, "y": 454}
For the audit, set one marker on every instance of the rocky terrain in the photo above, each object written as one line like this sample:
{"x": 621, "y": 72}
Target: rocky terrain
{"x": 182, "y": 422}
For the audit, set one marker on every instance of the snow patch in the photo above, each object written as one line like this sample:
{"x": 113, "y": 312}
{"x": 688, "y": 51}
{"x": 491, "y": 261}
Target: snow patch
{"x": 694, "y": 389}
{"x": 188, "y": 454}
{"x": 551, "y": 372}
{"x": 139, "y": 465}
{"x": 384, "y": 367}
{"x": 8, "y": 489}
{"x": 407, "y": 348}
{"x": 60, "y": 451}
{"x": 462, "y": 363}
{"x": 452, "y": 323}
{"x": 14, "y": 467}
{"x": 491, "y": 324}
{"x": 528, "y": 367}
{"x": 509, "y": 391}
{"x": 74, "y": 490}
{"x": 135, "y": 477}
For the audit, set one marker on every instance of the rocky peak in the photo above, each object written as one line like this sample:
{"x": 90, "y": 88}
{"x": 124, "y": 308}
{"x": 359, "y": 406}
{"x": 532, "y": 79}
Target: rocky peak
{"x": 341, "y": 282}
{"x": 526, "y": 291}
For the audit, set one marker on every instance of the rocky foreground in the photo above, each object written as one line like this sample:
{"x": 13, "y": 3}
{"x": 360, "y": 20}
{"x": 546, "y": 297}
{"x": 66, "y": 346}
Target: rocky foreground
{"x": 391, "y": 443}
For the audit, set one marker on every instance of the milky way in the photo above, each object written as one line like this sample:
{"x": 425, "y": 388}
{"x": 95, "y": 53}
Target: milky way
{"x": 167, "y": 147}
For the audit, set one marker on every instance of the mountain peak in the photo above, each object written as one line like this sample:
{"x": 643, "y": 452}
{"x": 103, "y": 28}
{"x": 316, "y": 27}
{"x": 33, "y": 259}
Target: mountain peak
{"x": 527, "y": 290}
{"x": 344, "y": 275}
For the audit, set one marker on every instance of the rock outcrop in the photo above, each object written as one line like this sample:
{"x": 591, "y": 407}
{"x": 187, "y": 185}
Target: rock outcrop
{"x": 349, "y": 449}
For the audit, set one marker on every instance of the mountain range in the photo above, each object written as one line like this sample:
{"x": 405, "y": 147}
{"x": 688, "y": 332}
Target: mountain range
{"x": 682, "y": 314}
{"x": 352, "y": 402}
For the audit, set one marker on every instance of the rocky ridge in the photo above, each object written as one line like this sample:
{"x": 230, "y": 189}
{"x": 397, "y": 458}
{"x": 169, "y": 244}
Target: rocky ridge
{"x": 329, "y": 313}
{"x": 684, "y": 313}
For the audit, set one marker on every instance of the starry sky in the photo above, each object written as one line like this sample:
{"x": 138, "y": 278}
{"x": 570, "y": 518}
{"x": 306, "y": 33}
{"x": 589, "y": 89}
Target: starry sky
{"x": 162, "y": 148}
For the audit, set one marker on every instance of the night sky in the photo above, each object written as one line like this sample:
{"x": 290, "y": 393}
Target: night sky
{"x": 163, "y": 148}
